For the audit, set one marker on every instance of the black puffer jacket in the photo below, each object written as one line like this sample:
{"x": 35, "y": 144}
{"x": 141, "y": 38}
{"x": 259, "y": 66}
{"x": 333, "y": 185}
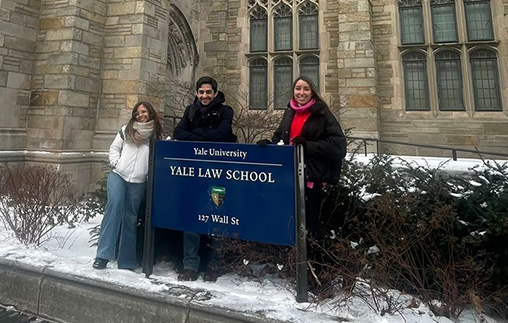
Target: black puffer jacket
{"x": 206, "y": 123}
{"x": 325, "y": 142}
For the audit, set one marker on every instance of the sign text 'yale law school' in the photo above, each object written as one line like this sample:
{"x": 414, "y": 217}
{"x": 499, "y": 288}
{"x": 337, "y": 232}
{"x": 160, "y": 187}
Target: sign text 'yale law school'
{"x": 234, "y": 190}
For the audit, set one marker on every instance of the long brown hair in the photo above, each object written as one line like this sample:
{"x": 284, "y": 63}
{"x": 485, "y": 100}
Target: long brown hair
{"x": 157, "y": 126}
{"x": 313, "y": 88}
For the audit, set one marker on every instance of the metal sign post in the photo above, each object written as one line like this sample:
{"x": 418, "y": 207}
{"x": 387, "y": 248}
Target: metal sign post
{"x": 148, "y": 247}
{"x": 302, "y": 286}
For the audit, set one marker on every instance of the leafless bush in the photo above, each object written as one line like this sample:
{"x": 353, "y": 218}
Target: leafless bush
{"x": 250, "y": 125}
{"x": 35, "y": 199}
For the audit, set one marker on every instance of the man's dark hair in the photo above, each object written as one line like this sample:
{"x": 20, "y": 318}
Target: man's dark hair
{"x": 206, "y": 80}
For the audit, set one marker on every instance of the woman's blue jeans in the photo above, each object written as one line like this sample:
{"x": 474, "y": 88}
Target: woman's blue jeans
{"x": 120, "y": 219}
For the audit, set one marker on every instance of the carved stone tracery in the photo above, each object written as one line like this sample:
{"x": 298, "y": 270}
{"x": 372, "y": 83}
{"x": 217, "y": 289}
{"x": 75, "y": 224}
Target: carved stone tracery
{"x": 182, "y": 51}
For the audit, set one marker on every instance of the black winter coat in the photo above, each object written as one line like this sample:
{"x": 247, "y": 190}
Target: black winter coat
{"x": 325, "y": 142}
{"x": 209, "y": 123}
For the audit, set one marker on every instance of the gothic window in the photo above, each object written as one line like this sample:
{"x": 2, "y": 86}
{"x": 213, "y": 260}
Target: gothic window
{"x": 283, "y": 28}
{"x": 456, "y": 69}
{"x": 415, "y": 81}
{"x": 411, "y": 21}
{"x": 284, "y": 43}
{"x": 258, "y": 84}
{"x": 479, "y": 20}
{"x": 258, "y": 30}
{"x": 444, "y": 25}
{"x": 449, "y": 81}
{"x": 484, "y": 71}
{"x": 309, "y": 66}
{"x": 283, "y": 78}
{"x": 308, "y": 20}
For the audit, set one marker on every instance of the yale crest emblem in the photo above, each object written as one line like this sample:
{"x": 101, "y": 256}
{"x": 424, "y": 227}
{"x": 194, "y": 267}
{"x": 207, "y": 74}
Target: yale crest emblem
{"x": 218, "y": 195}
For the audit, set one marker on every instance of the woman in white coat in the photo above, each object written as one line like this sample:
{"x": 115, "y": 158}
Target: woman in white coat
{"x": 128, "y": 155}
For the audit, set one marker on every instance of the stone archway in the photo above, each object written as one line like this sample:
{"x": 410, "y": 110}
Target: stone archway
{"x": 182, "y": 52}
{"x": 182, "y": 62}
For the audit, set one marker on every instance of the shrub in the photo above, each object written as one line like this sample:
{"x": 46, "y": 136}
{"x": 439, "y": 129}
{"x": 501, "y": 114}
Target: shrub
{"x": 35, "y": 199}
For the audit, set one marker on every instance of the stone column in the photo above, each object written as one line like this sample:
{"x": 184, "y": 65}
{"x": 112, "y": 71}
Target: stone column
{"x": 220, "y": 41}
{"x": 66, "y": 87}
{"x": 134, "y": 63}
{"x": 19, "y": 21}
{"x": 357, "y": 69}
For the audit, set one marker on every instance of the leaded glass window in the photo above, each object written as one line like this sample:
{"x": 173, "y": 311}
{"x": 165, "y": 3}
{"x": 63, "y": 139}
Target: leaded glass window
{"x": 411, "y": 21}
{"x": 283, "y": 78}
{"x": 449, "y": 81}
{"x": 283, "y": 28}
{"x": 308, "y": 19}
{"x": 415, "y": 81}
{"x": 309, "y": 66}
{"x": 484, "y": 71}
{"x": 478, "y": 20}
{"x": 258, "y": 84}
{"x": 444, "y": 21}
{"x": 258, "y": 30}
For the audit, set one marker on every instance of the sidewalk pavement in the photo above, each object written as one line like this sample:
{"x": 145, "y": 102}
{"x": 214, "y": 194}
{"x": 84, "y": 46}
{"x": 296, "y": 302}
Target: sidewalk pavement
{"x": 73, "y": 299}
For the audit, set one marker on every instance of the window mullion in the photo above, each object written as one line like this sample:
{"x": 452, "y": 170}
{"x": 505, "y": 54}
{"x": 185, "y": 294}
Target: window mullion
{"x": 432, "y": 79}
{"x": 467, "y": 82}
{"x": 427, "y": 25}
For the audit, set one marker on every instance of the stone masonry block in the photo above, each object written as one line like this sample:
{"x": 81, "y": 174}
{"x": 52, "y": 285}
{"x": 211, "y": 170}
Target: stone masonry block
{"x": 77, "y": 22}
{"x": 64, "y": 59}
{"x": 15, "y": 43}
{"x": 51, "y": 123}
{"x": 123, "y": 8}
{"x": 5, "y": 14}
{"x": 59, "y": 81}
{"x": 60, "y": 34}
{"x": 87, "y": 61}
{"x": 51, "y": 23}
{"x": 361, "y": 82}
{"x": 462, "y": 140}
{"x": 87, "y": 84}
{"x": 114, "y": 41}
{"x": 119, "y": 86}
{"x": 92, "y": 38}
{"x": 215, "y": 46}
{"x": 39, "y": 98}
{"x": 17, "y": 31}
{"x": 359, "y": 62}
{"x": 73, "y": 99}
{"x": 18, "y": 81}
{"x": 128, "y": 52}
{"x": 362, "y": 101}
{"x": 19, "y": 287}
{"x": 496, "y": 128}
{"x": 3, "y": 78}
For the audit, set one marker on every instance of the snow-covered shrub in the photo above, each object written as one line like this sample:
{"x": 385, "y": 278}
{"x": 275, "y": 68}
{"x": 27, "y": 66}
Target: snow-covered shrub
{"x": 34, "y": 199}
{"x": 418, "y": 229}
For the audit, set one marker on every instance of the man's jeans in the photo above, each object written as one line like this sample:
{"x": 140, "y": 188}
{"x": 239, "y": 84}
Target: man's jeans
{"x": 120, "y": 218}
{"x": 191, "y": 258}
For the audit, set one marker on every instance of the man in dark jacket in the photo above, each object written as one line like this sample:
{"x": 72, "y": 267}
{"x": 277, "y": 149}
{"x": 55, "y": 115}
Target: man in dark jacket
{"x": 207, "y": 119}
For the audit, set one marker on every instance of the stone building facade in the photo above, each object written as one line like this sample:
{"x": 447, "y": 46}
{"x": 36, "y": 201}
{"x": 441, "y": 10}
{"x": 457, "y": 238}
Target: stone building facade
{"x": 71, "y": 70}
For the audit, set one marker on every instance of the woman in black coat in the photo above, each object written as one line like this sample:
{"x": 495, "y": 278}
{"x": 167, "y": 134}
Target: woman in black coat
{"x": 308, "y": 121}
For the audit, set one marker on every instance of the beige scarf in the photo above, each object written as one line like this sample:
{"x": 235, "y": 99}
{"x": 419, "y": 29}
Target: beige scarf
{"x": 144, "y": 130}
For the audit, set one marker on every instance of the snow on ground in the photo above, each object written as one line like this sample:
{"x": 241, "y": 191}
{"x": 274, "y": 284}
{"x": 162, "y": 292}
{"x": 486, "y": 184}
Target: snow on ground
{"x": 68, "y": 250}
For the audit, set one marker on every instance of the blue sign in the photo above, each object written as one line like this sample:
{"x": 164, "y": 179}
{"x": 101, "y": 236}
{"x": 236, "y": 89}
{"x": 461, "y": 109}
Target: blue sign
{"x": 233, "y": 190}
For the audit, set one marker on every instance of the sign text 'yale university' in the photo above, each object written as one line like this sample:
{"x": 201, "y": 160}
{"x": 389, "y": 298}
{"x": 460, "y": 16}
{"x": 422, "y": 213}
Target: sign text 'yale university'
{"x": 233, "y": 190}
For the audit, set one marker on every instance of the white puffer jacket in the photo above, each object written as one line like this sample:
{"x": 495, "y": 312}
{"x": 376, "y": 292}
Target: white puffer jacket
{"x": 129, "y": 160}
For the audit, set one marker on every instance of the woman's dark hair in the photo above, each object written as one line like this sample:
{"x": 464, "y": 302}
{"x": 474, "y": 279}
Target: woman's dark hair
{"x": 313, "y": 88}
{"x": 207, "y": 80}
{"x": 152, "y": 115}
